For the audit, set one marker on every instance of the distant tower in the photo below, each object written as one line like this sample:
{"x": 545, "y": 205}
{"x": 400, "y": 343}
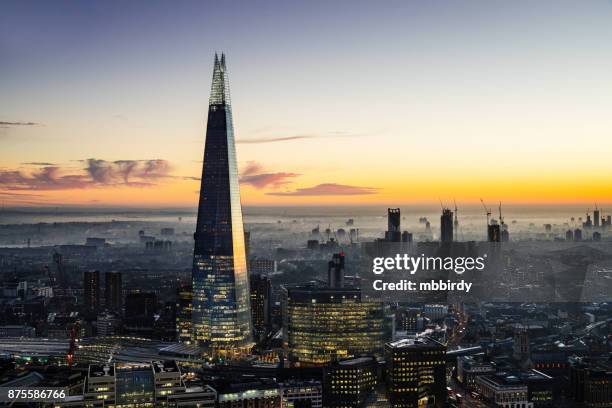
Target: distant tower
{"x": 57, "y": 275}
{"x": 577, "y": 234}
{"x": 335, "y": 271}
{"x": 113, "y": 291}
{"x": 91, "y": 290}
{"x": 456, "y": 223}
{"x": 596, "y": 216}
{"x": 221, "y": 302}
{"x": 446, "y": 225}
{"x": 521, "y": 350}
{"x": 393, "y": 233}
{"x": 493, "y": 233}
{"x": 569, "y": 235}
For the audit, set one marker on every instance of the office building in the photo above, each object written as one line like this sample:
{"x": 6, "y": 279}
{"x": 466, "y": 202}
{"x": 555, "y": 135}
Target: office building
{"x": 322, "y": 324}
{"x": 301, "y": 394}
{"x": 261, "y": 298}
{"x": 113, "y": 292}
{"x": 349, "y": 383}
{"x": 262, "y": 266}
{"x": 446, "y": 225}
{"x": 221, "y": 308}
{"x": 393, "y": 233}
{"x": 507, "y": 391}
{"x": 416, "y": 373}
{"x": 184, "y": 327}
{"x": 493, "y": 233}
{"x": 128, "y": 385}
{"x": 91, "y": 290}
{"x": 335, "y": 271}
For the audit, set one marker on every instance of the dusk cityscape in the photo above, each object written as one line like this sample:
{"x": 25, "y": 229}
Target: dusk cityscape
{"x": 305, "y": 204}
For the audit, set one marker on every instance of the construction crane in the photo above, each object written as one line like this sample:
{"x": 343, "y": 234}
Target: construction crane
{"x": 488, "y": 211}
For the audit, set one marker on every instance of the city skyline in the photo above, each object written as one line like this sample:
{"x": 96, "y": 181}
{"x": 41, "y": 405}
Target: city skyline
{"x": 400, "y": 104}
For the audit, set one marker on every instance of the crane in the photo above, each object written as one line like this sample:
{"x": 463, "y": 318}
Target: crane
{"x": 501, "y": 219}
{"x": 488, "y": 211}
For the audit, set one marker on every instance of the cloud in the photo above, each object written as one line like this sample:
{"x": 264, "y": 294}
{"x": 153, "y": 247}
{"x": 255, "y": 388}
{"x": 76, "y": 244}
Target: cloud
{"x": 254, "y": 175}
{"x": 96, "y": 173}
{"x": 38, "y": 164}
{"x": 337, "y": 133}
{"x": 274, "y": 139}
{"x": 327, "y": 189}
{"x": 7, "y": 124}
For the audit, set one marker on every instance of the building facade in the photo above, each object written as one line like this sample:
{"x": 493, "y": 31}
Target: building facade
{"x": 221, "y": 309}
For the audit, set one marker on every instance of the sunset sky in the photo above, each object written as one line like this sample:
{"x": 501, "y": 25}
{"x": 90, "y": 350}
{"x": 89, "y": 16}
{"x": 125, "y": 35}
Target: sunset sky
{"x": 334, "y": 102}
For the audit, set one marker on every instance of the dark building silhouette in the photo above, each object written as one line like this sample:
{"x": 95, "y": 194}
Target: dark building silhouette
{"x": 393, "y": 233}
{"x": 577, "y": 234}
{"x": 493, "y": 233}
{"x": 261, "y": 296}
{"x": 335, "y": 271}
{"x": 596, "y": 217}
{"x": 446, "y": 225}
{"x": 569, "y": 235}
{"x": 91, "y": 290}
{"x": 113, "y": 291}
{"x": 221, "y": 307}
{"x": 140, "y": 304}
{"x": 57, "y": 273}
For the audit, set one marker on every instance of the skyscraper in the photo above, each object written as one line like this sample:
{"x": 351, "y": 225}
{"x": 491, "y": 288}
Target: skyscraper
{"x": 415, "y": 373}
{"x": 221, "y": 310}
{"x": 446, "y": 225}
{"x": 393, "y": 233}
{"x": 113, "y": 293}
{"x": 91, "y": 290}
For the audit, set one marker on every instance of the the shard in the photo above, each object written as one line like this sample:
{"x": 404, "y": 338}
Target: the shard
{"x": 221, "y": 310}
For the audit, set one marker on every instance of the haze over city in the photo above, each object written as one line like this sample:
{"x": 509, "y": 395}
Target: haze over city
{"x": 104, "y": 104}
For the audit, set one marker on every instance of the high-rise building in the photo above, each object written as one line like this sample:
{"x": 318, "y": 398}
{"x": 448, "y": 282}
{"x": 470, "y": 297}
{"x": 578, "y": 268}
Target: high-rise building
{"x": 221, "y": 308}
{"x": 416, "y": 373}
{"x": 91, "y": 290}
{"x": 493, "y": 233}
{"x": 113, "y": 291}
{"x": 184, "y": 327}
{"x": 261, "y": 296}
{"x": 393, "y": 233}
{"x": 577, "y": 234}
{"x": 335, "y": 271}
{"x": 322, "y": 324}
{"x": 57, "y": 274}
{"x": 446, "y": 225}
{"x": 596, "y": 217}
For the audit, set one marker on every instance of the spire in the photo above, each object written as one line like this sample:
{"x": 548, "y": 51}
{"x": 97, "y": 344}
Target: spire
{"x": 219, "y": 92}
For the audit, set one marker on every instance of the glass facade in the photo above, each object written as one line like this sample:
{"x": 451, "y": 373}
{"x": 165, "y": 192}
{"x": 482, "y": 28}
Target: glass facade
{"x": 321, "y": 324}
{"x": 221, "y": 310}
{"x": 416, "y": 373}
